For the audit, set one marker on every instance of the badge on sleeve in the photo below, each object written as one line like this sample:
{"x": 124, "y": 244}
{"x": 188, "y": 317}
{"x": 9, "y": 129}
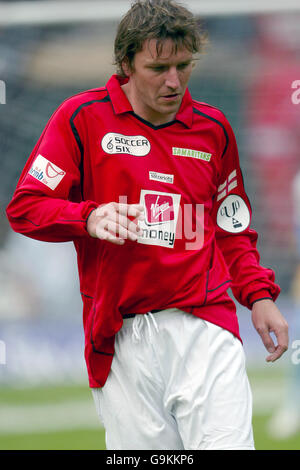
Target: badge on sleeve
{"x": 46, "y": 172}
{"x": 233, "y": 214}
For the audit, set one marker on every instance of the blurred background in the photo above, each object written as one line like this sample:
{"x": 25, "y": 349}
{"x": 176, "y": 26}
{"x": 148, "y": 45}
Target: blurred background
{"x": 52, "y": 50}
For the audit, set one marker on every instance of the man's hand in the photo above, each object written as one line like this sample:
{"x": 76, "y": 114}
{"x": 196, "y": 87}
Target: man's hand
{"x": 111, "y": 222}
{"x": 267, "y": 318}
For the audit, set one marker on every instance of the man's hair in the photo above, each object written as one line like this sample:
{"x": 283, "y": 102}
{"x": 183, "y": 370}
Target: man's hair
{"x": 160, "y": 20}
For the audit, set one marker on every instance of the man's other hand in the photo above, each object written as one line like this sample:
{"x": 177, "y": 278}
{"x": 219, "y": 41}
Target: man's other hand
{"x": 267, "y": 318}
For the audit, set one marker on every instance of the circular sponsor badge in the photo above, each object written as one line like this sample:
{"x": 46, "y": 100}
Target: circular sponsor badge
{"x": 233, "y": 214}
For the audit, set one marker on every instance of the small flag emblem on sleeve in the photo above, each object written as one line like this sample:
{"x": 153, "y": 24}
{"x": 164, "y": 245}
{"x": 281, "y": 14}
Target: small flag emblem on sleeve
{"x": 229, "y": 184}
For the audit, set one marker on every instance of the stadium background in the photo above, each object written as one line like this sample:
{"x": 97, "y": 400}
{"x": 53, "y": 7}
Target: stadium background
{"x": 248, "y": 71}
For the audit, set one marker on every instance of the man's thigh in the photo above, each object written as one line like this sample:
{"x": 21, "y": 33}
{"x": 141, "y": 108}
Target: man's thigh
{"x": 130, "y": 405}
{"x": 214, "y": 412}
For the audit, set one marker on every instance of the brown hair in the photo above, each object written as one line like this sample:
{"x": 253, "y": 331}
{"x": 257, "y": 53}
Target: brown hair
{"x": 156, "y": 19}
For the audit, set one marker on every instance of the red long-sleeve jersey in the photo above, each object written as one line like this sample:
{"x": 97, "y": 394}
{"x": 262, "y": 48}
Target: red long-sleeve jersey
{"x": 197, "y": 241}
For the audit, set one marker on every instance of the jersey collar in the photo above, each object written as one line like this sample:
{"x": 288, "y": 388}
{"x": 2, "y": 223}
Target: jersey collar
{"x": 121, "y": 104}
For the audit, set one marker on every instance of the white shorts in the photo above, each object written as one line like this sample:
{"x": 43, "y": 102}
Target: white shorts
{"x": 176, "y": 382}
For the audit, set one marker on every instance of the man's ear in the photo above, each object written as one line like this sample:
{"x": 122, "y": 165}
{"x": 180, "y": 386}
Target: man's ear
{"x": 126, "y": 67}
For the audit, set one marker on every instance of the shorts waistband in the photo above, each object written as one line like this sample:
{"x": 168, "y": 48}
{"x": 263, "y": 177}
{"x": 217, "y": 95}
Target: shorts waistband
{"x": 131, "y": 315}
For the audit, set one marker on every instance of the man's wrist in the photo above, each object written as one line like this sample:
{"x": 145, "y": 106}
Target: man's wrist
{"x": 89, "y": 223}
{"x": 259, "y": 300}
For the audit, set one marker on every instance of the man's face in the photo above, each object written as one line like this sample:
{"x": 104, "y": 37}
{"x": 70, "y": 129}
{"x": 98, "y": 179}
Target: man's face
{"x": 157, "y": 83}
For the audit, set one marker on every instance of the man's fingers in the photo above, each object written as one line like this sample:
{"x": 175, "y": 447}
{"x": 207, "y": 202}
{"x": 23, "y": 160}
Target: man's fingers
{"x": 266, "y": 339}
{"x": 115, "y": 220}
{"x": 283, "y": 343}
{"x": 282, "y": 340}
{"x": 106, "y": 235}
{"x": 136, "y": 210}
{"x": 279, "y": 350}
{"x": 132, "y": 210}
{"x": 111, "y": 230}
{"x": 112, "y": 222}
{"x": 129, "y": 210}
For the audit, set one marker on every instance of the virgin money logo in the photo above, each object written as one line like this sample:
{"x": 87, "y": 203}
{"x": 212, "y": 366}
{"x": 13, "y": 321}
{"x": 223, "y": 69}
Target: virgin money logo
{"x": 161, "y": 214}
{"x": 159, "y": 209}
{"x": 46, "y": 172}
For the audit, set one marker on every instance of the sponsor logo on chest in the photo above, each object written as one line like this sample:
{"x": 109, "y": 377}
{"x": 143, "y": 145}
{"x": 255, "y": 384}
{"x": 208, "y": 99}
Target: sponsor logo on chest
{"x": 161, "y": 214}
{"x": 136, "y": 145}
{"x": 198, "y": 154}
{"x": 162, "y": 177}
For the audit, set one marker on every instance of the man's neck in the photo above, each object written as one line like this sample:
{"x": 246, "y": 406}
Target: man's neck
{"x": 149, "y": 115}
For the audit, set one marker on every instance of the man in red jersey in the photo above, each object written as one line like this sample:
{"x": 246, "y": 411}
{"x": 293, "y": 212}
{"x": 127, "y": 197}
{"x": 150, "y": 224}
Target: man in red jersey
{"x": 126, "y": 172}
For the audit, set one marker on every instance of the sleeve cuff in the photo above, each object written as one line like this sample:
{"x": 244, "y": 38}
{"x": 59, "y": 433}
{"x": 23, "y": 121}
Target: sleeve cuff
{"x": 90, "y": 207}
{"x": 260, "y": 295}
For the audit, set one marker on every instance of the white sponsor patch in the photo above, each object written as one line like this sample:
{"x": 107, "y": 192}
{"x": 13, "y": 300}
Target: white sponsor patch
{"x": 161, "y": 214}
{"x": 46, "y": 172}
{"x": 136, "y": 145}
{"x": 163, "y": 177}
{"x": 233, "y": 214}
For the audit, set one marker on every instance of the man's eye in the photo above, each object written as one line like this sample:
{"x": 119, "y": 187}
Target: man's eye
{"x": 183, "y": 66}
{"x": 159, "y": 68}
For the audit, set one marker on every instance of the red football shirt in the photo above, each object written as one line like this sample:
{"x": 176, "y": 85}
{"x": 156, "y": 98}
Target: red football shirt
{"x": 95, "y": 150}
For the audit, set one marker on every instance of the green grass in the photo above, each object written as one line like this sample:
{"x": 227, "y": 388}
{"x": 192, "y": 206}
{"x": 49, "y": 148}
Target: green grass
{"x": 60, "y": 440}
{"x": 40, "y": 395}
{"x": 94, "y": 437}
{"x": 264, "y": 442}
{"x": 95, "y": 440}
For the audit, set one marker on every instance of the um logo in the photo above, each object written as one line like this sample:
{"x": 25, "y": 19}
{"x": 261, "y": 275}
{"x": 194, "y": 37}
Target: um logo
{"x": 2, "y": 92}
{"x": 2, "y": 353}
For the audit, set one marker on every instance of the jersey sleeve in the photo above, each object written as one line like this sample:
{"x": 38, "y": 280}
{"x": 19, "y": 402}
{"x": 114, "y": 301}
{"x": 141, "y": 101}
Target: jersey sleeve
{"x": 47, "y": 204}
{"x": 232, "y": 213}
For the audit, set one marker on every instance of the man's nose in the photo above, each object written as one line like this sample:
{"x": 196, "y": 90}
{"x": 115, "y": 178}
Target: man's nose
{"x": 172, "y": 78}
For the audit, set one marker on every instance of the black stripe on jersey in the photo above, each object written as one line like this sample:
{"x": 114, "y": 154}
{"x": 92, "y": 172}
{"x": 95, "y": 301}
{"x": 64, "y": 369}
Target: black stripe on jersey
{"x": 217, "y": 122}
{"x": 24, "y": 218}
{"x": 100, "y": 352}
{"x": 85, "y": 295}
{"x": 215, "y": 288}
{"x": 92, "y": 340}
{"x": 77, "y": 137}
{"x": 218, "y": 287}
{"x": 38, "y": 225}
